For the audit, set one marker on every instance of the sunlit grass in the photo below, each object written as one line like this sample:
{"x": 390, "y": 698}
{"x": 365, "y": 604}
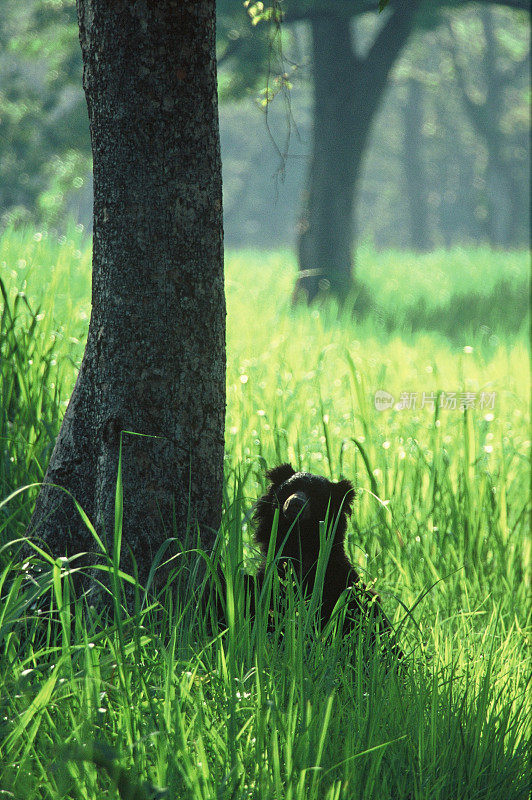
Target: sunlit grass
{"x": 440, "y": 521}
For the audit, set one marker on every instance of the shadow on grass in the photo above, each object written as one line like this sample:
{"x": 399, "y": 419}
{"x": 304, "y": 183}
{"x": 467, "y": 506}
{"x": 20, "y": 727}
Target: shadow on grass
{"x": 504, "y": 311}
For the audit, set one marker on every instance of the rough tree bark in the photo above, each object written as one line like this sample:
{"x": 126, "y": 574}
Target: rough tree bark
{"x": 348, "y": 89}
{"x": 155, "y": 355}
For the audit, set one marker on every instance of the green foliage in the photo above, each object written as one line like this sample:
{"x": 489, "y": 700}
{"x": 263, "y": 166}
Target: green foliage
{"x": 45, "y": 137}
{"x": 243, "y": 51}
{"x": 155, "y": 704}
{"x": 38, "y": 356}
{"x": 132, "y": 703}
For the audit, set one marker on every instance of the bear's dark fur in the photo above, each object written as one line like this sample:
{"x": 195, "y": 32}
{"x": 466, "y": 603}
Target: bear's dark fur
{"x": 304, "y": 500}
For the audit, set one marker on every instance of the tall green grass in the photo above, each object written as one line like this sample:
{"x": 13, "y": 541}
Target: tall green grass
{"x": 157, "y": 696}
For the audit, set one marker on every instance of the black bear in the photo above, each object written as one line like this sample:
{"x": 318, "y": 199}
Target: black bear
{"x": 303, "y": 501}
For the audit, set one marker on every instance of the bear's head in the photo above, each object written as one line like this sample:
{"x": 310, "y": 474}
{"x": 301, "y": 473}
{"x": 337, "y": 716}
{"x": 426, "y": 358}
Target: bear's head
{"x": 303, "y": 500}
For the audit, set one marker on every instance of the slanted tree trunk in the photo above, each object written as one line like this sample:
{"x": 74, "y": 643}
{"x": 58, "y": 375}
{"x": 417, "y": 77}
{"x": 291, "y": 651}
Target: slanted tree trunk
{"x": 154, "y": 363}
{"x": 347, "y": 92}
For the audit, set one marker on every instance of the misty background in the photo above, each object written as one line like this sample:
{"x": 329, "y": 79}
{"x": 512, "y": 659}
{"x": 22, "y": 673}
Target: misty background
{"x": 447, "y": 162}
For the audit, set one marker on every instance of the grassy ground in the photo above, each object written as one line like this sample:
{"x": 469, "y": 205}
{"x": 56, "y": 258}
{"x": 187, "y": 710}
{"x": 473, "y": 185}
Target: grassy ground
{"x": 440, "y": 521}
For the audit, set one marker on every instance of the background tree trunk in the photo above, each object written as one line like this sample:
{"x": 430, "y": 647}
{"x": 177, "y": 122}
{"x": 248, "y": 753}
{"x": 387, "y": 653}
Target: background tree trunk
{"x": 325, "y": 234}
{"x": 155, "y": 355}
{"x": 503, "y": 196}
{"x": 347, "y": 93}
{"x": 414, "y": 165}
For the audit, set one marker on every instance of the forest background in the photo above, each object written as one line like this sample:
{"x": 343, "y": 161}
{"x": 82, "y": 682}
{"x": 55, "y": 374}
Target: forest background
{"x": 423, "y": 404}
{"x": 452, "y": 131}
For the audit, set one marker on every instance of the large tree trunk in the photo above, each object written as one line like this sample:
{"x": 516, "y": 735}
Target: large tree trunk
{"x": 347, "y": 93}
{"x": 155, "y": 357}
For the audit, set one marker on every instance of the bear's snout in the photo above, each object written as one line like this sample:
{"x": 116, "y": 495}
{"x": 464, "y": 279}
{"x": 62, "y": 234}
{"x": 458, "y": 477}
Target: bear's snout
{"x": 296, "y": 504}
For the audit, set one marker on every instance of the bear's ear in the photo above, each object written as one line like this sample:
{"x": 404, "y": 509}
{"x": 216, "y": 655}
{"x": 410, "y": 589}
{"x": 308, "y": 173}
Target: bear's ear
{"x": 344, "y": 495}
{"x": 280, "y": 474}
